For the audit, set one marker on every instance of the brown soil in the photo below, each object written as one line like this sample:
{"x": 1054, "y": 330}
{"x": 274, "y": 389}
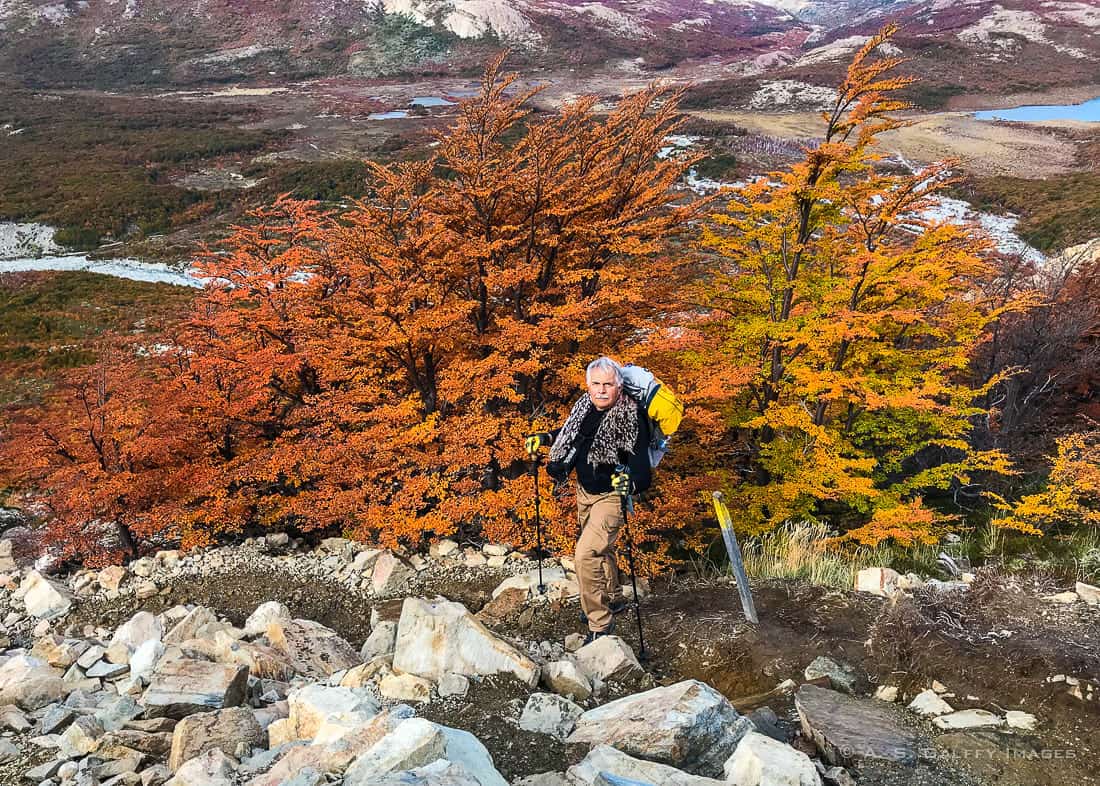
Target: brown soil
{"x": 696, "y": 630}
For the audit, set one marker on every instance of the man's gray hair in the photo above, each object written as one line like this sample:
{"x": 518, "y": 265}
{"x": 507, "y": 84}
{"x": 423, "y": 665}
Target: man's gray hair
{"x": 604, "y": 363}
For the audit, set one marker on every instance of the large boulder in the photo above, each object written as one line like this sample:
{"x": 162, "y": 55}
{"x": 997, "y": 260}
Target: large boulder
{"x": 566, "y": 679}
{"x": 603, "y": 759}
{"x": 234, "y": 731}
{"x": 263, "y": 662}
{"x": 417, "y": 742}
{"x": 688, "y": 725}
{"x": 212, "y": 768}
{"x": 265, "y": 614}
{"x": 381, "y": 641}
{"x": 846, "y": 729}
{"x": 761, "y": 761}
{"x": 30, "y": 683}
{"x": 43, "y": 598}
{"x": 878, "y": 581}
{"x": 337, "y": 752}
{"x": 440, "y": 637}
{"x": 140, "y": 628}
{"x": 391, "y": 574}
{"x": 547, "y": 713}
{"x": 440, "y": 773}
{"x": 185, "y": 686}
{"x": 200, "y": 623}
{"x": 609, "y": 658}
{"x": 313, "y": 650}
{"x": 314, "y": 705}
{"x": 405, "y": 687}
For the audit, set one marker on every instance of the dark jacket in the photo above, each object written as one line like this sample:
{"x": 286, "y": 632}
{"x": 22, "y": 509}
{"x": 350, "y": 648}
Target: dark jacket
{"x": 598, "y": 480}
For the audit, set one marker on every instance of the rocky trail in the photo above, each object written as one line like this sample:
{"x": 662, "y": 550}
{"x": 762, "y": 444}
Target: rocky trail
{"x": 277, "y": 662}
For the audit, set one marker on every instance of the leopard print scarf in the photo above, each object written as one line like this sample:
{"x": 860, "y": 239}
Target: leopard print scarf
{"x": 618, "y": 431}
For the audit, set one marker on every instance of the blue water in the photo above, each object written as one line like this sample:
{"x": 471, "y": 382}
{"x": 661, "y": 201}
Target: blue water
{"x": 1088, "y": 112}
{"x": 431, "y": 101}
{"x": 395, "y": 114}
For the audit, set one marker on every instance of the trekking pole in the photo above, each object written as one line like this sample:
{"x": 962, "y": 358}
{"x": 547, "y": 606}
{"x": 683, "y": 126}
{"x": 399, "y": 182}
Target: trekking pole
{"x": 627, "y": 505}
{"x": 538, "y": 523}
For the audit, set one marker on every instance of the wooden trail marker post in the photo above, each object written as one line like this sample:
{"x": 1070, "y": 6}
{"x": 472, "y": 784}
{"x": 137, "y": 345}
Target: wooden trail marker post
{"x": 734, "y": 552}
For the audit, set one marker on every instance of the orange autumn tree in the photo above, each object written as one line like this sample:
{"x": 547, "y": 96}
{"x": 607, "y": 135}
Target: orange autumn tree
{"x": 837, "y": 328}
{"x": 375, "y": 371}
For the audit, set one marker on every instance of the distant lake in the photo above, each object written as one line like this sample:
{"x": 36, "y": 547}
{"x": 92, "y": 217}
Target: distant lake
{"x": 1088, "y": 112}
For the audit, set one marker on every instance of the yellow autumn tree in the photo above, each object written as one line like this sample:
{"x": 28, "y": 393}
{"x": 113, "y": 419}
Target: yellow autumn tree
{"x": 1072, "y": 492}
{"x": 834, "y": 336}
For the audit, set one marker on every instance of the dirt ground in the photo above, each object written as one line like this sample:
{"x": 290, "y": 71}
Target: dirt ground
{"x": 983, "y": 148}
{"x": 994, "y": 647}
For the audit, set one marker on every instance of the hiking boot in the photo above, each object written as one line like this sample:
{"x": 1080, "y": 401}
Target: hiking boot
{"x": 617, "y": 606}
{"x": 596, "y": 634}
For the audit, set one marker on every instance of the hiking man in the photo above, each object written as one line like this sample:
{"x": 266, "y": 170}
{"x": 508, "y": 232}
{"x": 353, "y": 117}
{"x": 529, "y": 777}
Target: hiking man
{"x": 606, "y": 429}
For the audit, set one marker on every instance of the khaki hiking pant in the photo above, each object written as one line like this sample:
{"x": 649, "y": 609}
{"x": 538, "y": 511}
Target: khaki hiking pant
{"x": 600, "y": 517}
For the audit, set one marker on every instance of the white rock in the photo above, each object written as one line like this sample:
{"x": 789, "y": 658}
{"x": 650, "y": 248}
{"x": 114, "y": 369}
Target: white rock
{"x": 929, "y": 704}
{"x": 145, "y": 658}
{"x": 547, "y": 713}
{"x": 495, "y": 550}
{"x": 111, "y": 577}
{"x": 1088, "y": 593}
{"x": 313, "y": 650}
{"x": 529, "y": 581}
{"x": 761, "y": 761}
{"x": 417, "y": 742}
{"x": 453, "y": 685}
{"x": 212, "y": 768}
{"x": 200, "y": 623}
{"x": 1021, "y": 720}
{"x": 938, "y": 686}
{"x": 182, "y": 686}
{"x": 968, "y": 719}
{"x": 264, "y": 615}
{"x": 30, "y": 683}
{"x": 608, "y": 658}
{"x": 405, "y": 687}
{"x": 443, "y": 548}
{"x": 391, "y": 574}
{"x": 365, "y": 560}
{"x": 313, "y": 705}
{"x": 886, "y": 693}
{"x": 140, "y": 628}
{"x": 381, "y": 641}
{"x": 687, "y": 725}
{"x": 440, "y": 637}
{"x": 475, "y": 559}
{"x": 43, "y": 598}
{"x": 496, "y": 562}
{"x": 143, "y": 567}
{"x": 565, "y": 678}
{"x": 605, "y": 759}
{"x": 877, "y": 581}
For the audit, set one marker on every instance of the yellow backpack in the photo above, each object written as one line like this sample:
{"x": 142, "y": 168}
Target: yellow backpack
{"x": 664, "y": 408}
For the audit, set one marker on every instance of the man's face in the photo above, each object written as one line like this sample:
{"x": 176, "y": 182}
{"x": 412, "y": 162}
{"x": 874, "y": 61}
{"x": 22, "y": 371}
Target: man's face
{"x": 602, "y": 388}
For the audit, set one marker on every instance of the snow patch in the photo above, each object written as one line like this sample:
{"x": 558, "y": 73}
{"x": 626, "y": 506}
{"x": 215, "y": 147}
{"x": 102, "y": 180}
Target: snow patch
{"x": 788, "y": 93}
{"x": 26, "y": 240}
{"x": 843, "y": 48}
{"x": 132, "y": 269}
{"x": 1001, "y": 229}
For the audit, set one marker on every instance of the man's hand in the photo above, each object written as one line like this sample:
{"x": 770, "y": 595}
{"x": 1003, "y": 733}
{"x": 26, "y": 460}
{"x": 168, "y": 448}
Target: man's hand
{"x": 620, "y": 481}
{"x": 532, "y": 443}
